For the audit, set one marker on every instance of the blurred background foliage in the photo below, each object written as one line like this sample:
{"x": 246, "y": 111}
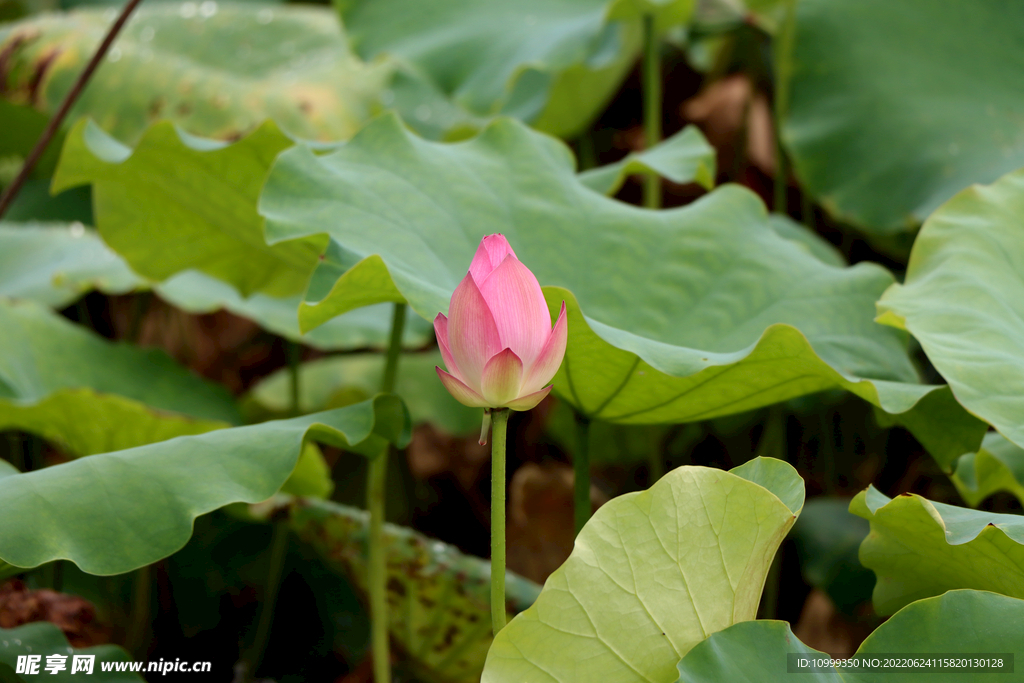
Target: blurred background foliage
{"x": 852, "y": 121}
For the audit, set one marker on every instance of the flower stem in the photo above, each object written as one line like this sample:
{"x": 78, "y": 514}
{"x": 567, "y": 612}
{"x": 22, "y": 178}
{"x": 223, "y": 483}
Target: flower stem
{"x": 278, "y": 555}
{"x": 499, "y": 425}
{"x": 294, "y": 360}
{"x": 142, "y": 598}
{"x": 377, "y": 565}
{"x": 375, "y": 487}
{"x": 652, "y": 107}
{"x": 783, "y": 49}
{"x": 655, "y": 467}
{"x": 387, "y": 384}
{"x": 581, "y": 473}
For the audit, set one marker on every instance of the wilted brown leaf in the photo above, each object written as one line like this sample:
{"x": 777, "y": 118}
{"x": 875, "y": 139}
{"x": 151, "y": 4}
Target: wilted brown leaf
{"x": 540, "y": 519}
{"x": 71, "y": 614}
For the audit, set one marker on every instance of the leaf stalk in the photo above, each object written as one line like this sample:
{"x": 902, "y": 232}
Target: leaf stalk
{"x": 376, "y": 483}
{"x": 581, "y": 473}
{"x": 652, "y": 107}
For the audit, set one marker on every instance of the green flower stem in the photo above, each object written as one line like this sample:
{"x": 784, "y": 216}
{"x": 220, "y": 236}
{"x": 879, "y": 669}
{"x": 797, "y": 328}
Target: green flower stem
{"x": 769, "y": 607}
{"x": 279, "y": 541}
{"x": 17, "y": 450}
{"x": 652, "y": 107}
{"x": 581, "y": 473}
{"x": 278, "y": 554}
{"x": 588, "y": 154}
{"x": 140, "y": 306}
{"x": 377, "y": 566}
{"x": 294, "y": 358}
{"x": 499, "y": 425}
{"x": 375, "y": 487}
{"x": 806, "y": 209}
{"x": 783, "y": 49}
{"x": 773, "y": 444}
{"x": 142, "y": 590}
{"x": 56, "y": 575}
{"x": 780, "y": 203}
{"x": 387, "y": 384}
{"x": 655, "y": 467}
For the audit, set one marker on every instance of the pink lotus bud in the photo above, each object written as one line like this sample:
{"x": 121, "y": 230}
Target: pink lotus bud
{"x": 498, "y": 343}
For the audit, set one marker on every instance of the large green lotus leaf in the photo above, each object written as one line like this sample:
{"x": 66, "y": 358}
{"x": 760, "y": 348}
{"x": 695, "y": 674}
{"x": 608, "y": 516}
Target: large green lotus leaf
{"x": 918, "y": 548}
{"x": 113, "y": 512}
{"x": 44, "y": 638}
{"x": 963, "y": 299}
{"x": 218, "y": 70}
{"x": 887, "y": 116}
{"x": 690, "y": 313}
{"x": 812, "y": 241}
{"x": 997, "y": 466}
{"x": 940, "y": 423}
{"x": 70, "y": 386}
{"x": 683, "y": 158}
{"x": 960, "y": 622}
{"x": 553, "y": 63}
{"x": 364, "y": 327}
{"x": 311, "y": 476}
{"x": 55, "y": 264}
{"x": 327, "y": 382}
{"x": 652, "y": 574}
{"x": 177, "y": 202}
{"x": 439, "y": 598}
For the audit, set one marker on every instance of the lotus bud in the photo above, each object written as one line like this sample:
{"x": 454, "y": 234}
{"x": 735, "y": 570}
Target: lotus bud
{"x": 497, "y": 342}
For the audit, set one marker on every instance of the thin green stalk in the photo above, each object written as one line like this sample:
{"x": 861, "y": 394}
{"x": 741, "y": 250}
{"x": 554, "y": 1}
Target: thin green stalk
{"x": 278, "y": 555}
{"x": 57, "y": 576}
{"x": 32, "y": 453}
{"x": 140, "y": 306}
{"x": 377, "y": 565}
{"x": 499, "y": 428}
{"x": 769, "y": 607}
{"x": 739, "y": 160}
{"x": 652, "y": 107}
{"x": 387, "y": 384}
{"x": 783, "y": 49}
{"x": 588, "y": 155}
{"x": 655, "y": 467}
{"x": 84, "y": 317}
{"x": 17, "y": 451}
{"x": 806, "y": 209}
{"x": 780, "y": 204}
{"x": 142, "y": 592}
{"x": 375, "y": 486}
{"x": 294, "y": 357}
{"x": 581, "y": 473}
{"x": 773, "y": 442}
